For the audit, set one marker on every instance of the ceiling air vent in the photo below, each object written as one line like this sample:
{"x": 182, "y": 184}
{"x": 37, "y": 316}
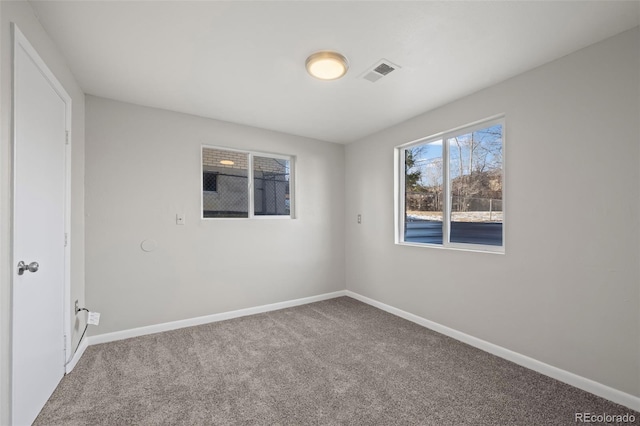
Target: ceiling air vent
{"x": 379, "y": 70}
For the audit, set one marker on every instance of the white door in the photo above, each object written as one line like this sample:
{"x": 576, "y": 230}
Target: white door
{"x": 40, "y": 124}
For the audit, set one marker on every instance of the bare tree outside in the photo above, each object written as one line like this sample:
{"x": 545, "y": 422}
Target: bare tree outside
{"x": 475, "y": 187}
{"x": 475, "y": 168}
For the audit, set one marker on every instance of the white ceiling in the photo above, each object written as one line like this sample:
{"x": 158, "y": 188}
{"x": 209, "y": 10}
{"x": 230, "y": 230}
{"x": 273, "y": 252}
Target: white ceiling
{"x": 244, "y": 61}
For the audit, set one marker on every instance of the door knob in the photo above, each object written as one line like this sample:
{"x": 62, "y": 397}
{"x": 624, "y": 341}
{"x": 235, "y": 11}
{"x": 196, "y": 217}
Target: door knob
{"x": 32, "y": 267}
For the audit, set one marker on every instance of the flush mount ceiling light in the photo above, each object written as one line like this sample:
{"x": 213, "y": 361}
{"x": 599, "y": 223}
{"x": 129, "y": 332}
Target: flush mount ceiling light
{"x": 227, "y": 162}
{"x": 327, "y": 65}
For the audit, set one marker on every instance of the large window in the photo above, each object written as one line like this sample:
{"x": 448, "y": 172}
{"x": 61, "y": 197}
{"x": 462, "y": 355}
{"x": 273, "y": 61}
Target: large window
{"x": 451, "y": 189}
{"x": 241, "y": 184}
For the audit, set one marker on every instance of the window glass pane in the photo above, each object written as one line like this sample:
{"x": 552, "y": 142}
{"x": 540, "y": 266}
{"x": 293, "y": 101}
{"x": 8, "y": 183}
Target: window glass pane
{"x": 271, "y": 186}
{"x": 224, "y": 176}
{"x": 209, "y": 181}
{"x": 475, "y": 173}
{"x": 423, "y": 193}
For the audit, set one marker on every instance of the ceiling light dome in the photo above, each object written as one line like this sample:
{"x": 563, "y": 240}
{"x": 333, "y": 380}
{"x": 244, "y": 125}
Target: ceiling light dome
{"x": 327, "y": 65}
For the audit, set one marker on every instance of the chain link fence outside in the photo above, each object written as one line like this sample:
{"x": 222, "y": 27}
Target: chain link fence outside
{"x": 467, "y": 209}
{"x": 225, "y": 194}
{"x": 271, "y": 194}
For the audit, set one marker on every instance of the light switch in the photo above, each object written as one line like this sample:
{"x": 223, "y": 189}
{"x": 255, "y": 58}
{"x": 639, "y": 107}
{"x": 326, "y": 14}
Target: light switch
{"x": 180, "y": 219}
{"x": 359, "y": 218}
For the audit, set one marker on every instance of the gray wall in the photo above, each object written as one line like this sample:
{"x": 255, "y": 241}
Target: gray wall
{"x": 22, "y": 14}
{"x": 143, "y": 167}
{"x": 567, "y": 291}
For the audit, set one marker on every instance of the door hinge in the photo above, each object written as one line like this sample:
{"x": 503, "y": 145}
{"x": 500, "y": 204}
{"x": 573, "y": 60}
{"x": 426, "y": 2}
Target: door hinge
{"x": 66, "y": 239}
{"x": 68, "y": 136}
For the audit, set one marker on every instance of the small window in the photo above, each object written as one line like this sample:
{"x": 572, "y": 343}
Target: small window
{"x": 451, "y": 189}
{"x": 271, "y": 186}
{"x": 209, "y": 181}
{"x": 240, "y": 184}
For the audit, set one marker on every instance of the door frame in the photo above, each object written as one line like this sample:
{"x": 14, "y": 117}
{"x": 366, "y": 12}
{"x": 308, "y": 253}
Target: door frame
{"x": 21, "y": 42}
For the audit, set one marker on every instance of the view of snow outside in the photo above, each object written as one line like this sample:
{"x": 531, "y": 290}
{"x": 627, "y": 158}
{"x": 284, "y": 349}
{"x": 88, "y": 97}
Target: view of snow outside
{"x": 475, "y": 178}
{"x": 468, "y": 168}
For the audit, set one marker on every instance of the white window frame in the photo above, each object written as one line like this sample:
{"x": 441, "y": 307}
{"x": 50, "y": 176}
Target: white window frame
{"x": 250, "y": 189}
{"x": 399, "y": 187}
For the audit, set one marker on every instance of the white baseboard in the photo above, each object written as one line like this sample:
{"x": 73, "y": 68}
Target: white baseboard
{"x": 173, "y": 325}
{"x": 76, "y": 356}
{"x": 572, "y": 379}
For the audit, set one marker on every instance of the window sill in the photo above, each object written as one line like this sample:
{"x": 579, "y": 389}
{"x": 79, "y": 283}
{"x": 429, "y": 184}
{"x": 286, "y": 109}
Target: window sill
{"x": 467, "y": 248}
{"x": 273, "y": 217}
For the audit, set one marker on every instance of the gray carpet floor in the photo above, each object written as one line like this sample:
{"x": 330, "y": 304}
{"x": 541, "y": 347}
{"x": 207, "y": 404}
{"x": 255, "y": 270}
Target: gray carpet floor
{"x": 336, "y": 362}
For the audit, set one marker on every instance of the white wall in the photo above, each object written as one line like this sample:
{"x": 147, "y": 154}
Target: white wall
{"x": 143, "y": 167}
{"x": 21, "y": 13}
{"x": 567, "y": 291}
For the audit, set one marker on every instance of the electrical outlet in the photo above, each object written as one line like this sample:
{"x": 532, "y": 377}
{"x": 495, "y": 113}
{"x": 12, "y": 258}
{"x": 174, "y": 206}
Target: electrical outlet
{"x": 77, "y": 307}
{"x": 93, "y": 318}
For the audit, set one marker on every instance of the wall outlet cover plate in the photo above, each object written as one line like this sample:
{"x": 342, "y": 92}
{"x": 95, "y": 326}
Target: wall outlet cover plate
{"x": 93, "y": 318}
